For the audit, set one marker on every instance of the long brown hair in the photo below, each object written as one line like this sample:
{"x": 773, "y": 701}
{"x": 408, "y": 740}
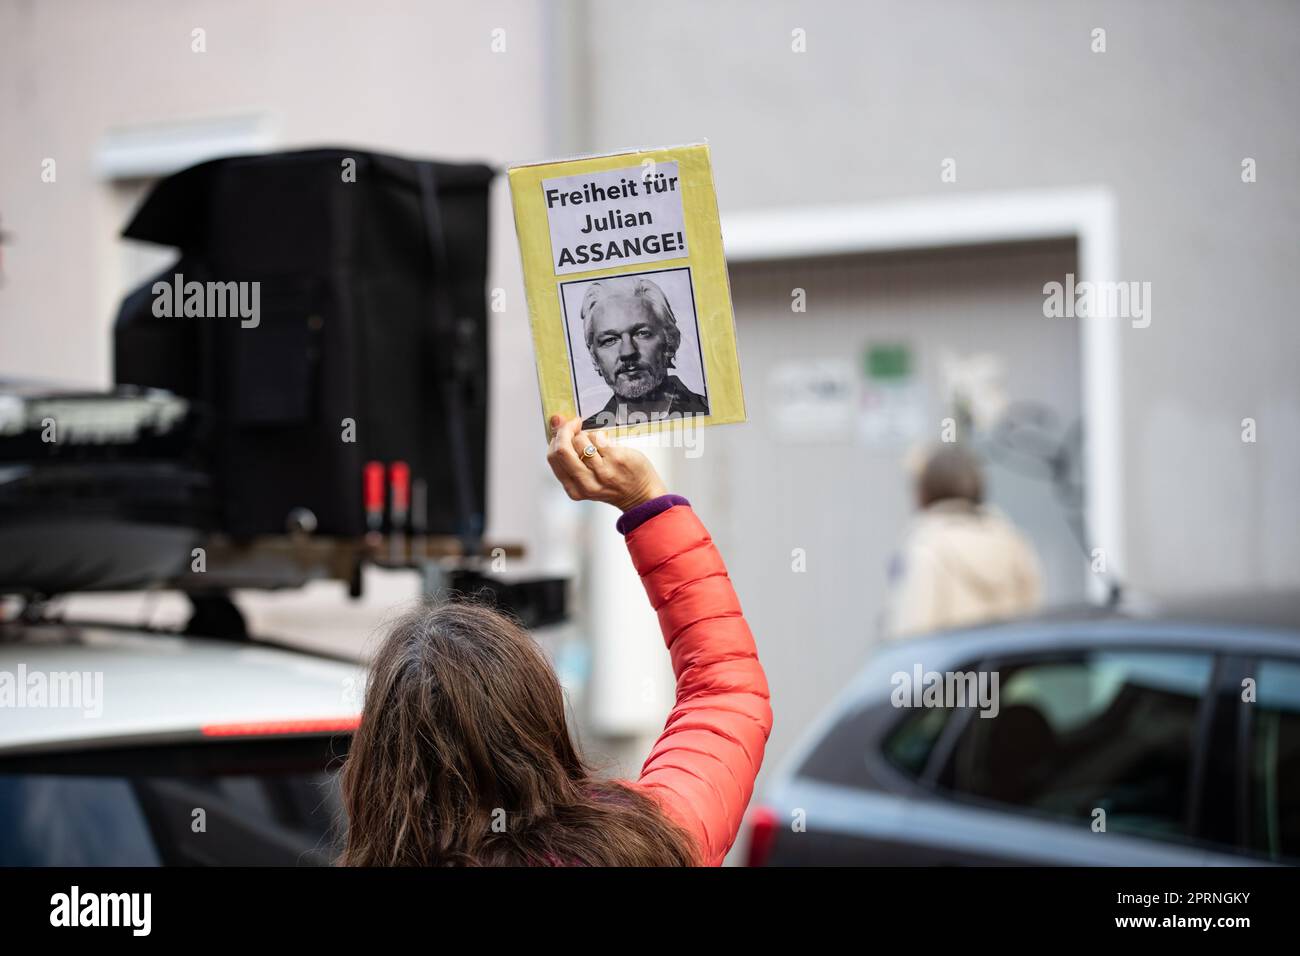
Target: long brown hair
{"x": 464, "y": 758}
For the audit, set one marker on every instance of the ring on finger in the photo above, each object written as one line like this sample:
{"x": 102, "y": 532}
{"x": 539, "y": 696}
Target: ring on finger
{"x": 589, "y": 451}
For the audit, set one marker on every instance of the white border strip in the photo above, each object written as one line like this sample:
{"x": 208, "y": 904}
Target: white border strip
{"x": 157, "y": 150}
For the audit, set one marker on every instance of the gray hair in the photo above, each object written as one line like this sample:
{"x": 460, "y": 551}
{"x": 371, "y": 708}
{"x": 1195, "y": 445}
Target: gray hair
{"x": 638, "y": 287}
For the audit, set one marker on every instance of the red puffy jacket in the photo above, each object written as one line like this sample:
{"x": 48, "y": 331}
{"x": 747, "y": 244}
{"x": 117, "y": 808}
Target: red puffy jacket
{"x": 701, "y": 770}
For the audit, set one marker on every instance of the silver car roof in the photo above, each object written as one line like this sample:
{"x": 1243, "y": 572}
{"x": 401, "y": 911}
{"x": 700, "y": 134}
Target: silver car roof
{"x": 105, "y": 686}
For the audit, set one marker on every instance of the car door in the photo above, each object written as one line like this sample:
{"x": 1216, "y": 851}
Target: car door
{"x": 1268, "y": 825}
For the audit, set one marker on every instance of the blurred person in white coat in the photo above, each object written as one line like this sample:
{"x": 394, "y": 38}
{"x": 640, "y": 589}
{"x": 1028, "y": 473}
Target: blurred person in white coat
{"x": 962, "y": 561}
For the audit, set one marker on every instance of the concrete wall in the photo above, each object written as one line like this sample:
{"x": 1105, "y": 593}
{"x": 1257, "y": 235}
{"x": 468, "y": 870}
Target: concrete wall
{"x": 1012, "y": 91}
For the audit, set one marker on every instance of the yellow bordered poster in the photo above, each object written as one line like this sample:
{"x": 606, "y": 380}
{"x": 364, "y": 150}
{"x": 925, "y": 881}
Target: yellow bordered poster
{"x": 627, "y": 289}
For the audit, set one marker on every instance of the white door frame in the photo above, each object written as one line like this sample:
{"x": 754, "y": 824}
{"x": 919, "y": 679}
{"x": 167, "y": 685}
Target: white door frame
{"x": 1085, "y": 214}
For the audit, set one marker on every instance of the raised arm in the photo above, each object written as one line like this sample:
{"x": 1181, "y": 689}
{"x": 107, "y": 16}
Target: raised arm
{"x": 702, "y": 767}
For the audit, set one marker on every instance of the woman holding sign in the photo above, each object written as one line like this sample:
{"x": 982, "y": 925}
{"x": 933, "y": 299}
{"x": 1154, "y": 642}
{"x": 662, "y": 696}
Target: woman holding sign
{"x": 464, "y": 755}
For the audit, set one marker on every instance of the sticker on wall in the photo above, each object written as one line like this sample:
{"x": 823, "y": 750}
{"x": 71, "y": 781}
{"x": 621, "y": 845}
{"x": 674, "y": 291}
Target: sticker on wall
{"x": 892, "y": 409}
{"x": 813, "y": 400}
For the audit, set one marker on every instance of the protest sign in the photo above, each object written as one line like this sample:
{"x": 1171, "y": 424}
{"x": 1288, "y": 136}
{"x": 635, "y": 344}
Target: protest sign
{"x": 627, "y": 289}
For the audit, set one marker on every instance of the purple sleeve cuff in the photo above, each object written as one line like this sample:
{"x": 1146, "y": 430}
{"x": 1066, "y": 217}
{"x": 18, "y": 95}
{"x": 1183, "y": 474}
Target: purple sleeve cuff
{"x": 636, "y": 516}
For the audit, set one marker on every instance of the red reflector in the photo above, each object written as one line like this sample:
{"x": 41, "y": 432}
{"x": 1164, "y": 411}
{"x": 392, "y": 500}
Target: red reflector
{"x": 373, "y": 486}
{"x": 400, "y": 474}
{"x": 262, "y": 728}
{"x": 762, "y": 835}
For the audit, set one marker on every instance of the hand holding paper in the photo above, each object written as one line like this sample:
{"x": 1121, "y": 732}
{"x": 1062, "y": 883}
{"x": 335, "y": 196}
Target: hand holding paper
{"x": 592, "y": 469}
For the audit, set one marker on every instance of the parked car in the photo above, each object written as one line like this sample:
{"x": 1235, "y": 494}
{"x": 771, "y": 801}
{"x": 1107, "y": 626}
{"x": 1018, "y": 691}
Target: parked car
{"x": 1118, "y": 738}
{"x": 192, "y": 751}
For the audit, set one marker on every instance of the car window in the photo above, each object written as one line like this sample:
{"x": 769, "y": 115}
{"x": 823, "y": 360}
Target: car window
{"x": 1107, "y": 731}
{"x": 1275, "y": 760}
{"x": 909, "y": 745}
{"x": 50, "y": 820}
{"x": 270, "y": 803}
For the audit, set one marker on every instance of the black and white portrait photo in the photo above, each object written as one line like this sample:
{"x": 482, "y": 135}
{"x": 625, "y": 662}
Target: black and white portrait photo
{"x": 634, "y": 348}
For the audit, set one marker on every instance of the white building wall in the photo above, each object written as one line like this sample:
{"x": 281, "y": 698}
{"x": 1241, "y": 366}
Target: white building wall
{"x": 886, "y": 91}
